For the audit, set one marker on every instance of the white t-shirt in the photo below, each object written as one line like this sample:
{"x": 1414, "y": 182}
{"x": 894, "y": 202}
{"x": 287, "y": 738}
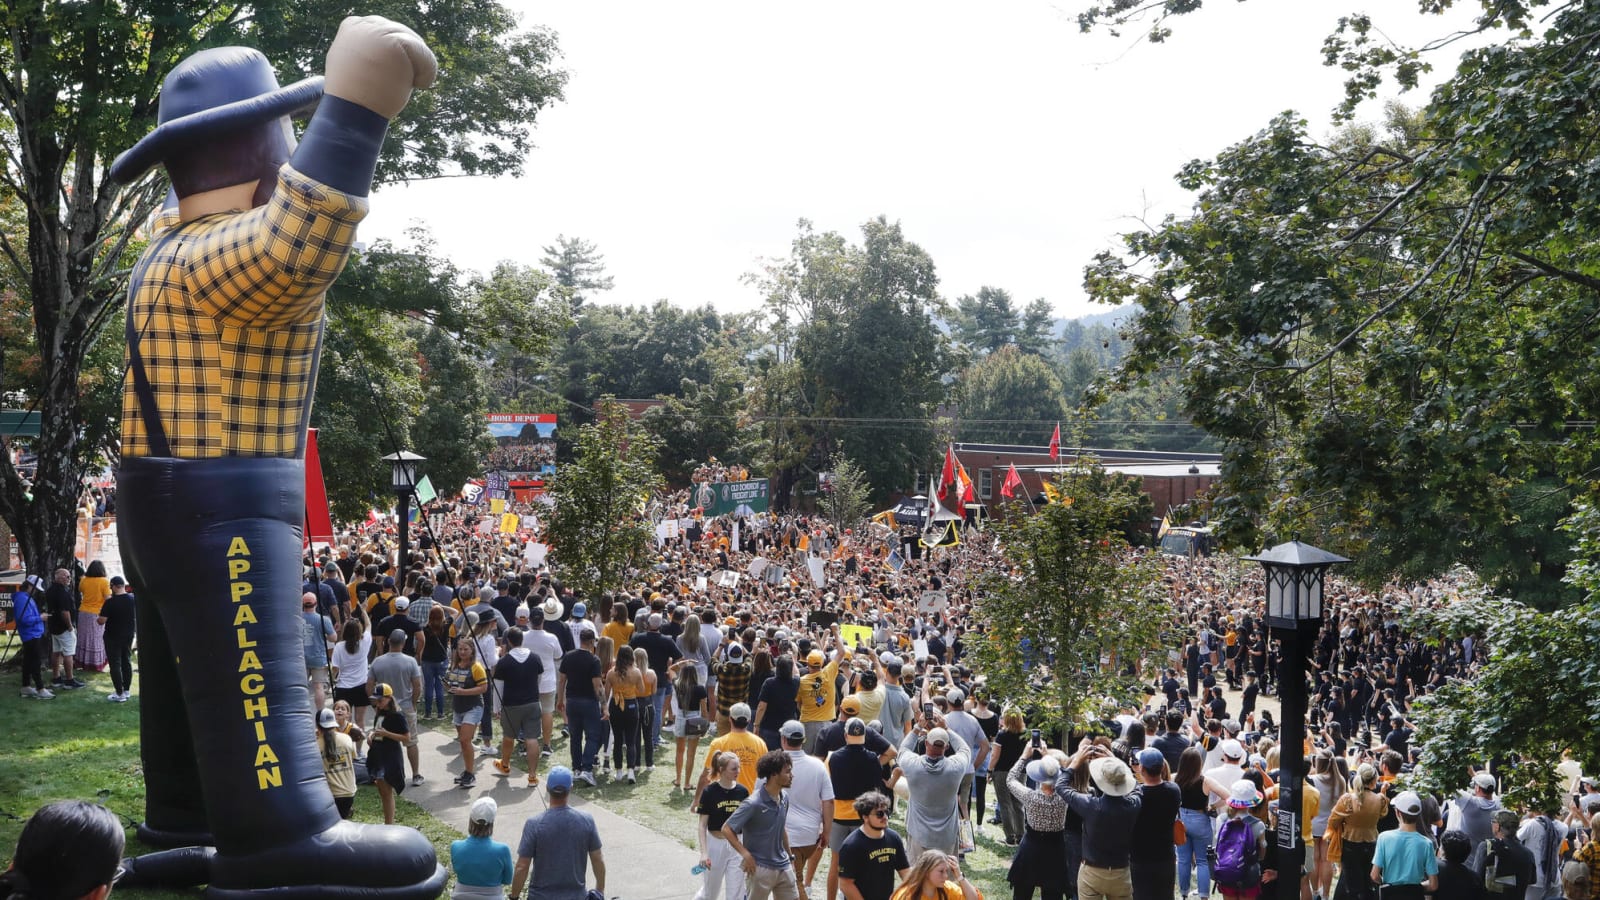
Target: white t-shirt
{"x": 489, "y": 653}
{"x": 547, "y": 647}
{"x": 352, "y": 666}
{"x": 1226, "y": 775}
{"x": 810, "y": 790}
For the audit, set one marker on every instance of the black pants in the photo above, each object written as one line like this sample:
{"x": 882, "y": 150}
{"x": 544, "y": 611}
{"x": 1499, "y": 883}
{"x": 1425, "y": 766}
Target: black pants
{"x": 1401, "y": 892}
{"x": 1155, "y": 878}
{"x": 119, "y": 654}
{"x": 1355, "y": 872}
{"x": 625, "y": 734}
{"x": 34, "y": 653}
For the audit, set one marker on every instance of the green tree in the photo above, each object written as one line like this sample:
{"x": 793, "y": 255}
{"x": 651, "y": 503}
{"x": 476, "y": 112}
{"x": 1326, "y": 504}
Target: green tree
{"x": 1060, "y": 635}
{"x": 1037, "y": 332}
{"x": 848, "y": 496}
{"x": 451, "y": 429}
{"x": 705, "y": 419}
{"x": 597, "y": 527}
{"x": 1010, "y": 397}
{"x": 577, "y": 265}
{"x": 986, "y": 321}
{"x": 81, "y": 84}
{"x": 854, "y": 358}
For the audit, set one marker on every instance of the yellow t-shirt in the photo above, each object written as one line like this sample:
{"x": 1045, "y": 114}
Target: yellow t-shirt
{"x": 619, "y": 632}
{"x": 817, "y": 698}
{"x": 744, "y": 745}
{"x": 94, "y": 591}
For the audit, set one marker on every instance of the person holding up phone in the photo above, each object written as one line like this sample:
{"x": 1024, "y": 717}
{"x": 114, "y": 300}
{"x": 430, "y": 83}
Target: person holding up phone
{"x": 1009, "y": 745}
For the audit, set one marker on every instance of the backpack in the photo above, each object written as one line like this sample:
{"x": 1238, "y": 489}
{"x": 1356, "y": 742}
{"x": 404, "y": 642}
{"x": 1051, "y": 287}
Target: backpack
{"x": 1237, "y": 861}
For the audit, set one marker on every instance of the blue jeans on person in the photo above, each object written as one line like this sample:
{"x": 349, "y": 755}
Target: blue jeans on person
{"x": 433, "y": 687}
{"x": 657, "y": 703}
{"x": 1192, "y": 852}
{"x": 587, "y": 732}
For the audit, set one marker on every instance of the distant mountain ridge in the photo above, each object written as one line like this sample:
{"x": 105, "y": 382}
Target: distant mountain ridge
{"x": 1111, "y": 318}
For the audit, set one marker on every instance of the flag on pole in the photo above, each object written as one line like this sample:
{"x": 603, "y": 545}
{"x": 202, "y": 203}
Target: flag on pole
{"x": 948, "y": 476}
{"x": 964, "y": 491}
{"x": 948, "y": 538}
{"x": 1055, "y": 444}
{"x": 1166, "y": 526}
{"x": 425, "y": 491}
{"x": 1008, "y": 488}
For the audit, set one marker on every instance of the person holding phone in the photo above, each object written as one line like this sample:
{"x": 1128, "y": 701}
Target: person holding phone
{"x": 1008, "y": 746}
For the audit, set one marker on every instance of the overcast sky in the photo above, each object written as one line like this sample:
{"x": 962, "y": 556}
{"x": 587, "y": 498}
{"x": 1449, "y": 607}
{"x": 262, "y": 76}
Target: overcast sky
{"x": 1008, "y": 145}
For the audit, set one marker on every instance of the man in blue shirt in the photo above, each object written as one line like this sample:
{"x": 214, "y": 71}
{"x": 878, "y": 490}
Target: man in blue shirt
{"x": 756, "y": 831}
{"x": 561, "y": 839}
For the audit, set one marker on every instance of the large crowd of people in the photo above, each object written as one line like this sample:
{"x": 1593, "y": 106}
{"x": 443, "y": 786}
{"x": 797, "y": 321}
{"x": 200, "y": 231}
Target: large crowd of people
{"x": 824, "y": 703}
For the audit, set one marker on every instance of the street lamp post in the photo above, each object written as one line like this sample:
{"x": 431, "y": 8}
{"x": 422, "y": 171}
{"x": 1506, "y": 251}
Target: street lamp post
{"x": 1295, "y": 572}
{"x": 405, "y": 484}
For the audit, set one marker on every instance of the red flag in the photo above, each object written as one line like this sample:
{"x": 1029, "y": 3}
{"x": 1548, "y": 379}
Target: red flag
{"x": 948, "y": 476}
{"x": 1055, "y": 444}
{"x": 964, "y": 485}
{"x": 318, "y": 524}
{"x": 1013, "y": 481}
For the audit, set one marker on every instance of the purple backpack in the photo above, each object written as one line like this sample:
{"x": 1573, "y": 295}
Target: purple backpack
{"x": 1237, "y": 862}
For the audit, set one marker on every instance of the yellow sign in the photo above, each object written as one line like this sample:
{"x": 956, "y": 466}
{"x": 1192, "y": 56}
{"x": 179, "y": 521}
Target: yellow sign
{"x": 497, "y": 506}
{"x": 509, "y": 522}
{"x": 855, "y": 635}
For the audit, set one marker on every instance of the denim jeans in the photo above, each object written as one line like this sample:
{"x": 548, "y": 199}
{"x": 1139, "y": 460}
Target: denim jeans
{"x": 433, "y": 688}
{"x": 587, "y": 732}
{"x": 657, "y": 703}
{"x": 1192, "y": 852}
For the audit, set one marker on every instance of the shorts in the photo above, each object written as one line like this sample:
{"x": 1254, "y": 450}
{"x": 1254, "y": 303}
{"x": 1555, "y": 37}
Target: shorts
{"x": 473, "y": 716}
{"x": 547, "y": 703}
{"x": 316, "y": 675}
{"x": 355, "y": 696}
{"x": 524, "y": 718}
{"x": 841, "y": 829}
{"x": 65, "y": 643}
{"x": 410, "y": 712}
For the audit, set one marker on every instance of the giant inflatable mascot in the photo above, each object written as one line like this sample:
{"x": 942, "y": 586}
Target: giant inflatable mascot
{"x": 225, "y": 323}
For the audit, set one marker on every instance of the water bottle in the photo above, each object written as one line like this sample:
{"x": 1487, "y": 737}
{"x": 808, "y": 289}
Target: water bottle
{"x": 699, "y": 869}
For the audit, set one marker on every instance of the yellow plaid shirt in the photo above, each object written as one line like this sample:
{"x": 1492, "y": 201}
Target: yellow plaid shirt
{"x": 227, "y": 311}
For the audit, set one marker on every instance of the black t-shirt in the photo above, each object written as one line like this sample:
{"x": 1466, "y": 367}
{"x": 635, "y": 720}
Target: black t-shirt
{"x": 872, "y": 863}
{"x": 581, "y": 668}
{"x": 386, "y": 757}
{"x": 1152, "y": 831}
{"x": 854, "y": 770}
{"x": 521, "y": 679}
{"x": 119, "y": 615}
{"x": 717, "y": 803}
{"x": 381, "y": 632}
{"x": 62, "y": 603}
{"x": 563, "y": 635}
{"x": 1012, "y": 743}
{"x": 662, "y": 650}
{"x": 779, "y": 696}
{"x": 831, "y": 738}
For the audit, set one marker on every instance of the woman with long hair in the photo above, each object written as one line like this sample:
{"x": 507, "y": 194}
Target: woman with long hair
{"x": 689, "y": 700}
{"x": 1010, "y": 743}
{"x": 68, "y": 850}
{"x": 94, "y": 588}
{"x": 349, "y": 668}
{"x": 338, "y": 761}
{"x": 1354, "y": 825}
{"x": 760, "y": 671}
{"x": 779, "y": 702}
{"x": 647, "y": 712}
{"x": 468, "y": 681}
{"x": 718, "y": 801}
{"x": 694, "y": 647}
{"x": 434, "y": 657}
{"x": 619, "y": 629}
{"x": 626, "y": 686}
{"x": 936, "y": 875}
{"x": 1331, "y": 785}
{"x": 1196, "y": 793}
{"x": 605, "y": 650}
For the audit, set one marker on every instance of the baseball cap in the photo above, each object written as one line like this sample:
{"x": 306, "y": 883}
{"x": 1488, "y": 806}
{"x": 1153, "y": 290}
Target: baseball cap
{"x": 308, "y": 603}
{"x": 401, "y": 603}
{"x": 1232, "y": 726}
{"x": 792, "y": 730}
{"x": 325, "y": 719}
{"x": 955, "y": 696}
{"x": 1483, "y": 781}
{"x": 118, "y": 581}
{"x": 559, "y": 781}
{"x": 939, "y": 736}
{"x": 816, "y": 658}
{"x": 1232, "y": 750}
{"x": 850, "y": 706}
{"x": 1151, "y": 759}
{"x": 522, "y": 611}
{"x": 855, "y": 731}
{"x": 739, "y": 711}
{"x": 35, "y": 580}
{"x": 736, "y": 651}
{"x": 483, "y": 810}
{"x": 388, "y": 581}
{"x": 579, "y": 610}
{"x": 381, "y": 691}
{"x": 1409, "y": 803}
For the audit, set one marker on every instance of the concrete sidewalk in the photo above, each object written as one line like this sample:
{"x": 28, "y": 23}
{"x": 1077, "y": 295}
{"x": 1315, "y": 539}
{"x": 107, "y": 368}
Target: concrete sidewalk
{"x": 641, "y": 864}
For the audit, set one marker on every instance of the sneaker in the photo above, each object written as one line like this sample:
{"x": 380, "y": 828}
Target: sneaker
{"x": 587, "y": 778}
{"x": 468, "y": 780}
{"x": 503, "y": 767}
{"x": 648, "y": 769}
{"x": 46, "y": 694}
{"x": 30, "y": 693}
{"x": 458, "y": 778}
{"x": 114, "y": 698}
{"x": 545, "y": 753}
{"x": 416, "y": 780}
{"x": 633, "y": 777}
{"x": 75, "y": 684}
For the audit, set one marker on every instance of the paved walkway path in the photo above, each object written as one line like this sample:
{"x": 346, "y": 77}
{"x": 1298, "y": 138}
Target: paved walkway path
{"x": 641, "y": 863}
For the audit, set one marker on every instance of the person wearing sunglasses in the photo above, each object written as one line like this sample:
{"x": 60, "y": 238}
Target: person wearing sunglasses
{"x": 91, "y": 834}
{"x": 873, "y": 855}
